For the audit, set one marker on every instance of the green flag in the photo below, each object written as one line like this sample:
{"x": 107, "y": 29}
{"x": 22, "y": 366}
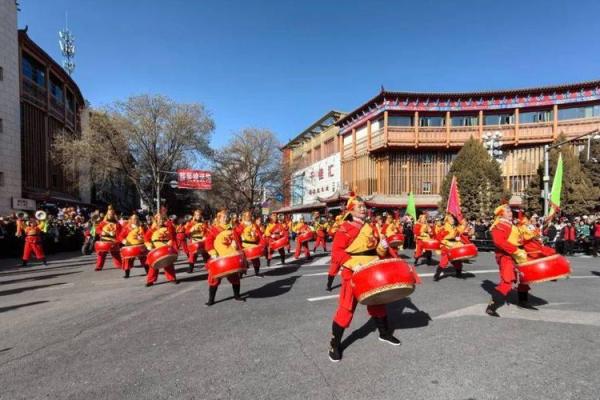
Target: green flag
{"x": 411, "y": 209}
{"x": 556, "y": 187}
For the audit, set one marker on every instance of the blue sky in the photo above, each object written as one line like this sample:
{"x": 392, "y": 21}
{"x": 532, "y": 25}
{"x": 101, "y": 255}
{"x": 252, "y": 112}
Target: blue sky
{"x": 282, "y": 64}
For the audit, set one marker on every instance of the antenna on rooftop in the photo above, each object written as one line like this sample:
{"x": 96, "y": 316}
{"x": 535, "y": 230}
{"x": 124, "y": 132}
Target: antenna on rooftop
{"x": 67, "y": 47}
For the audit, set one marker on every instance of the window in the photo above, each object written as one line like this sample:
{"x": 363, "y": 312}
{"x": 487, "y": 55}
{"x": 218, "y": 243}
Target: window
{"x": 579, "y": 112}
{"x": 535, "y": 116}
{"x": 56, "y": 90}
{"x": 1, "y": 178}
{"x": 432, "y": 121}
{"x": 1, "y": 74}
{"x": 400, "y": 120}
{"x": 33, "y": 70}
{"x": 465, "y": 120}
{"x": 498, "y": 119}
{"x": 427, "y": 187}
{"x": 329, "y": 148}
{"x": 70, "y": 101}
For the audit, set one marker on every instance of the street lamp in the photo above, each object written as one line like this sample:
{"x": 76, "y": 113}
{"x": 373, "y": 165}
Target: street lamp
{"x": 492, "y": 141}
{"x": 590, "y": 135}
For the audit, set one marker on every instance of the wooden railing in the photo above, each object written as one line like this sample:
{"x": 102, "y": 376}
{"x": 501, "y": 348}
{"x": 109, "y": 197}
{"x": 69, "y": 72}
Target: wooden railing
{"x": 34, "y": 93}
{"x": 530, "y": 133}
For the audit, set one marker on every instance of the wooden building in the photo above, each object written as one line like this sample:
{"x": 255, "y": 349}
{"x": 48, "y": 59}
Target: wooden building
{"x": 400, "y": 142}
{"x": 51, "y": 102}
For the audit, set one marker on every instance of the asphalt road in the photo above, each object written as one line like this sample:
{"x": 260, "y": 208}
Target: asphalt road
{"x": 67, "y": 332}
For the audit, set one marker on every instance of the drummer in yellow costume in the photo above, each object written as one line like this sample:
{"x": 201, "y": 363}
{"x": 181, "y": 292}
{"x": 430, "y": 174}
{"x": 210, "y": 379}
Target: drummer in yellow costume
{"x": 251, "y": 237}
{"x": 421, "y": 231}
{"x": 132, "y": 234}
{"x": 449, "y": 237}
{"x": 220, "y": 242}
{"x": 356, "y": 244}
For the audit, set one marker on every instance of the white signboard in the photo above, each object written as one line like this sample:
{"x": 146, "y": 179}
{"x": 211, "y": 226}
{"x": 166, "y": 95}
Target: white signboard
{"x": 23, "y": 204}
{"x": 319, "y": 180}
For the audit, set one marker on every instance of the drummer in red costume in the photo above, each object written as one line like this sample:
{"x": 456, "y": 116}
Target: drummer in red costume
{"x": 220, "y": 242}
{"x": 320, "y": 228}
{"x": 181, "y": 236}
{"x": 251, "y": 236}
{"x": 334, "y": 267}
{"x": 390, "y": 228}
{"x": 531, "y": 238}
{"x": 132, "y": 234}
{"x": 32, "y": 230}
{"x": 449, "y": 237}
{"x": 196, "y": 229}
{"x": 108, "y": 231}
{"x": 355, "y": 244}
{"x": 276, "y": 229}
{"x": 507, "y": 240}
{"x": 160, "y": 234}
{"x": 421, "y": 231}
{"x": 300, "y": 228}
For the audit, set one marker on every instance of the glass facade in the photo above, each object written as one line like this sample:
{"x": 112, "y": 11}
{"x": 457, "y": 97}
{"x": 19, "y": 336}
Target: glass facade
{"x": 400, "y": 120}
{"x": 432, "y": 121}
{"x": 531, "y": 117}
{"x": 498, "y": 119}
{"x": 579, "y": 112}
{"x": 33, "y": 70}
{"x": 465, "y": 120}
{"x": 56, "y": 90}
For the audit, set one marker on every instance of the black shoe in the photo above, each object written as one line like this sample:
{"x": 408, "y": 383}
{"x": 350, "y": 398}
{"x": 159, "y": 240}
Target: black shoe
{"x": 330, "y": 282}
{"x": 190, "y": 268}
{"x": 459, "y": 273}
{"x": 24, "y": 264}
{"x": 44, "y": 262}
{"x": 385, "y": 335}
{"x": 417, "y": 261}
{"x": 148, "y": 284}
{"x": 258, "y": 274}
{"x": 268, "y": 262}
{"x": 335, "y": 355}
{"x": 389, "y": 338}
{"x": 335, "y": 345}
{"x": 176, "y": 282}
{"x": 127, "y": 272}
{"x": 491, "y": 309}
{"x": 438, "y": 274}
{"x": 524, "y": 301}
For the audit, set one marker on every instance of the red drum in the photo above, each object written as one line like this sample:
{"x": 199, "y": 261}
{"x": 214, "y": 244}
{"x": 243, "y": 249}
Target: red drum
{"x": 253, "y": 252}
{"x": 223, "y": 266}
{"x": 383, "y": 281}
{"x": 306, "y": 236}
{"x": 544, "y": 269}
{"x": 162, "y": 257}
{"x": 463, "y": 252}
{"x": 196, "y": 247}
{"x": 104, "y": 247}
{"x": 277, "y": 244}
{"x": 134, "y": 251}
{"x": 396, "y": 240}
{"x": 430, "y": 244}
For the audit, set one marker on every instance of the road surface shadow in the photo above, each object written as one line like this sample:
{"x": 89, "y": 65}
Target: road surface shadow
{"x": 31, "y": 270}
{"x": 28, "y": 288}
{"x": 191, "y": 278}
{"x": 38, "y": 278}
{"x": 286, "y": 269}
{"x": 397, "y": 319}
{"x": 5, "y": 349}
{"x": 595, "y": 273}
{"x": 490, "y": 287}
{"x": 16, "y": 306}
{"x": 272, "y": 289}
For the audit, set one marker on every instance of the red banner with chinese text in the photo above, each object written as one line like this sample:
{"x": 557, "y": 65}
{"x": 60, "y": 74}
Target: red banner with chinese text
{"x": 194, "y": 179}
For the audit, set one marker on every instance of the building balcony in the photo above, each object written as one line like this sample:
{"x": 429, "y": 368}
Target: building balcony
{"x": 443, "y": 137}
{"x": 57, "y": 109}
{"x": 34, "y": 93}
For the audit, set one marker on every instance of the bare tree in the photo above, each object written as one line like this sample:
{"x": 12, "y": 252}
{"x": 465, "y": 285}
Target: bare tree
{"x": 246, "y": 168}
{"x": 142, "y": 138}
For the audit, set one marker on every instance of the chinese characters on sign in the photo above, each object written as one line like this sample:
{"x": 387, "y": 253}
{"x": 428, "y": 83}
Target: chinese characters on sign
{"x": 194, "y": 179}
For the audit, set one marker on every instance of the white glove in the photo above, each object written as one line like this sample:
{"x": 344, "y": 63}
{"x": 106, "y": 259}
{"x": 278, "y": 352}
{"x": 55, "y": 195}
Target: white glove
{"x": 383, "y": 243}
